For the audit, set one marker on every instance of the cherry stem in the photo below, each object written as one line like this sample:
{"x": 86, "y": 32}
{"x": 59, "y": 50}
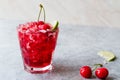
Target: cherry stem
{"x": 41, "y": 7}
{"x": 44, "y": 14}
{"x": 40, "y": 12}
{"x": 96, "y": 66}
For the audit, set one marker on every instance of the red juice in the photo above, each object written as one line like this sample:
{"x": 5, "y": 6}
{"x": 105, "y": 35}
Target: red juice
{"x": 37, "y": 46}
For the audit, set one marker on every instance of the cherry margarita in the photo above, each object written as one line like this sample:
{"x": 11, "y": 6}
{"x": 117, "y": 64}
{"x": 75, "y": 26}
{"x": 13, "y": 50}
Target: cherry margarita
{"x": 37, "y": 43}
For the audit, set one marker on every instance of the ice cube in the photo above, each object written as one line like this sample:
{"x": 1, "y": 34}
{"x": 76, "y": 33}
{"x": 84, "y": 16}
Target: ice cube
{"x": 42, "y": 31}
{"x": 28, "y": 45}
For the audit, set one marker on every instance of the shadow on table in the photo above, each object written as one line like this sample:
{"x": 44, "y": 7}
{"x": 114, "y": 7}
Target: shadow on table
{"x": 110, "y": 78}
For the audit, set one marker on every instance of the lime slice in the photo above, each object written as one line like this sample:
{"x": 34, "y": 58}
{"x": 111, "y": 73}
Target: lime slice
{"x": 55, "y": 25}
{"x": 109, "y": 56}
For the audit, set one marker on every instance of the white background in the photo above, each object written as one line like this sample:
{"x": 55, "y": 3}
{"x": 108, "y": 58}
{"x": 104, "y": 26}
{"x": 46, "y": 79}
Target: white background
{"x": 83, "y": 12}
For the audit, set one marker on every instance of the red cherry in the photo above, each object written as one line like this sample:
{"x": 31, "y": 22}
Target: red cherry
{"x": 101, "y": 73}
{"x": 44, "y": 26}
{"x": 40, "y": 23}
{"x": 86, "y": 71}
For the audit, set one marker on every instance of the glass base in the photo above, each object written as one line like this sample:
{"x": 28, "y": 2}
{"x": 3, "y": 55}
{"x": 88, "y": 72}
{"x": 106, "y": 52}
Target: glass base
{"x": 38, "y": 70}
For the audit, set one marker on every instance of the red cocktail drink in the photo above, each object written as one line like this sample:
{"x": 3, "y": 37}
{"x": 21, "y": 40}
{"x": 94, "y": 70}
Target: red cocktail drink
{"x": 37, "y": 43}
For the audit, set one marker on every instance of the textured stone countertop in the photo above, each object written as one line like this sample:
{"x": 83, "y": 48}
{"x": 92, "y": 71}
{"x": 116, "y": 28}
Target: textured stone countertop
{"x": 77, "y": 46}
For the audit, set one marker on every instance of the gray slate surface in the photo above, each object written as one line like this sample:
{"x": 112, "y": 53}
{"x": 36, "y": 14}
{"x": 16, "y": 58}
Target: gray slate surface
{"x": 77, "y": 46}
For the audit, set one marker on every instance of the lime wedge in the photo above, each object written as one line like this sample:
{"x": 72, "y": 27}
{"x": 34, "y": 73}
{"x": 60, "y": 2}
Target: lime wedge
{"x": 107, "y": 55}
{"x": 55, "y": 25}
